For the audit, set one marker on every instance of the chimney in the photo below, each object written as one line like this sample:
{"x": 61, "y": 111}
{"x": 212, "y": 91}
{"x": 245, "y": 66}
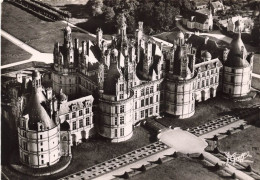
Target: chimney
{"x": 76, "y": 43}
{"x": 49, "y": 93}
{"x": 84, "y": 47}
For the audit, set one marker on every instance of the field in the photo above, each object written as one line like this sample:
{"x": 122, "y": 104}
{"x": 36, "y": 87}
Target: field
{"x": 181, "y": 168}
{"x": 96, "y": 151}
{"x": 244, "y": 141}
{"x": 35, "y": 32}
{"x": 11, "y": 53}
{"x": 206, "y": 111}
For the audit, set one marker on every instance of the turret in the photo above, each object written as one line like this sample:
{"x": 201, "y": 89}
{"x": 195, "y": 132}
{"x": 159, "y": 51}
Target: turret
{"x": 76, "y": 52}
{"x": 122, "y": 27}
{"x": 67, "y": 36}
{"x": 36, "y": 81}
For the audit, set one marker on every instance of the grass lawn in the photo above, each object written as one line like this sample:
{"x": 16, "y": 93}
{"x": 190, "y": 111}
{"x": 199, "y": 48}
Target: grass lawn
{"x": 256, "y": 83}
{"x": 33, "y": 31}
{"x": 207, "y": 111}
{"x": 11, "y": 53}
{"x": 93, "y": 152}
{"x": 256, "y": 66}
{"x": 181, "y": 168}
{"x": 244, "y": 141}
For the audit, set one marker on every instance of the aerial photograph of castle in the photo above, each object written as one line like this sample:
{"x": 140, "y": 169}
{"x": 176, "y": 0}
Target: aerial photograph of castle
{"x": 130, "y": 89}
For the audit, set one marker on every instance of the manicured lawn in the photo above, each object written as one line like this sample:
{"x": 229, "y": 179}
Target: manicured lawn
{"x": 181, "y": 168}
{"x": 11, "y": 53}
{"x": 243, "y": 141}
{"x": 33, "y": 31}
{"x": 256, "y": 83}
{"x": 206, "y": 111}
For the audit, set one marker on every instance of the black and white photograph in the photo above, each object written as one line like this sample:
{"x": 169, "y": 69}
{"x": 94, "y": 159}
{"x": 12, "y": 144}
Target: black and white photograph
{"x": 130, "y": 89}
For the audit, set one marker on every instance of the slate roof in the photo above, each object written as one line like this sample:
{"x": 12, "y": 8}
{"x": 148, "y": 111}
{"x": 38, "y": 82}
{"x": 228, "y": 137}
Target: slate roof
{"x": 37, "y": 112}
{"x": 235, "y": 57}
{"x": 111, "y": 79}
{"x": 199, "y": 43}
{"x": 203, "y": 65}
{"x": 79, "y": 103}
{"x": 199, "y": 17}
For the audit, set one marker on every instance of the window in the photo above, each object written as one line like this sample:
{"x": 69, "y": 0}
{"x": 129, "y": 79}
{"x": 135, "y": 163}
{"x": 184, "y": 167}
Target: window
{"x": 157, "y": 98}
{"x": 80, "y": 112}
{"x": 70, "y": 80}
{"x": 135, "y": 115}
{"x": 121, "y": 87}
{"x": 24, "y": 134}
{"x": 67, "y": 117}
{"x": 121, "y": 96}
{"x": 147, "y": 90}
{"x": 142, "y": 103}
{"x": 198, "y": 75}
{"x": 122, "y": 132}
{"x": 151, "y": 100}
{"x": 42, "y": 156}
{"x": 157, "y": 89}
{"x": 115, "y": 122}
{"x": 41, "y": 149}
{"x": 135, "y": 104}
{"x": 142, "y": 92}
{"x": 208, "y": 73}
{"x": 122, "y": 120}
{"x": 207, "y": 82}
{"x": 74, "y": 125}
{"x": 40, "y": 136}
{"x": 147, "y": 101}
{"x": 212, "y": 71}
{"x": 87, "y": 110}
{"x": 26, "y": 159}
{"x": 232, "y": 79}
{"x": 156, "y": 110}
{"x": 211, "y": 80}
{"x": 142, "y": 114}
{"x": 87, "y": 121}
{"x": 116, "y": 109}
{"x": 81, "y": 123}
{"x": 135, "y": 94}
{"x": 115, "y": 132}
{"x": 42, "y": 161}
{"x": 216, "y": 79}
{"x": 73, "y": 114}
{"x": 203, "y": 83}
{"x": 25, "y": 146}
{"x": 151, "y": 111}
{"x": 151, "y": 89}
{"x": 122, "y": 109}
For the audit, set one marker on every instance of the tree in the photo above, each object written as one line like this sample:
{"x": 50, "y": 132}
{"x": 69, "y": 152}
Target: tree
{"x": 109, "y": 14}
{"x": 95, "y": 7}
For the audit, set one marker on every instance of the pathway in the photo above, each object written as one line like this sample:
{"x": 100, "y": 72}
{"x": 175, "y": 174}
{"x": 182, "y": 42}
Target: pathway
{"x": 36, "y": 55}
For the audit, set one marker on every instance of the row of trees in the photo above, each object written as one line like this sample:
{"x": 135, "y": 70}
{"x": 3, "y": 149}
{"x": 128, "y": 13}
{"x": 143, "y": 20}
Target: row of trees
{"x": 157, "y": 15}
